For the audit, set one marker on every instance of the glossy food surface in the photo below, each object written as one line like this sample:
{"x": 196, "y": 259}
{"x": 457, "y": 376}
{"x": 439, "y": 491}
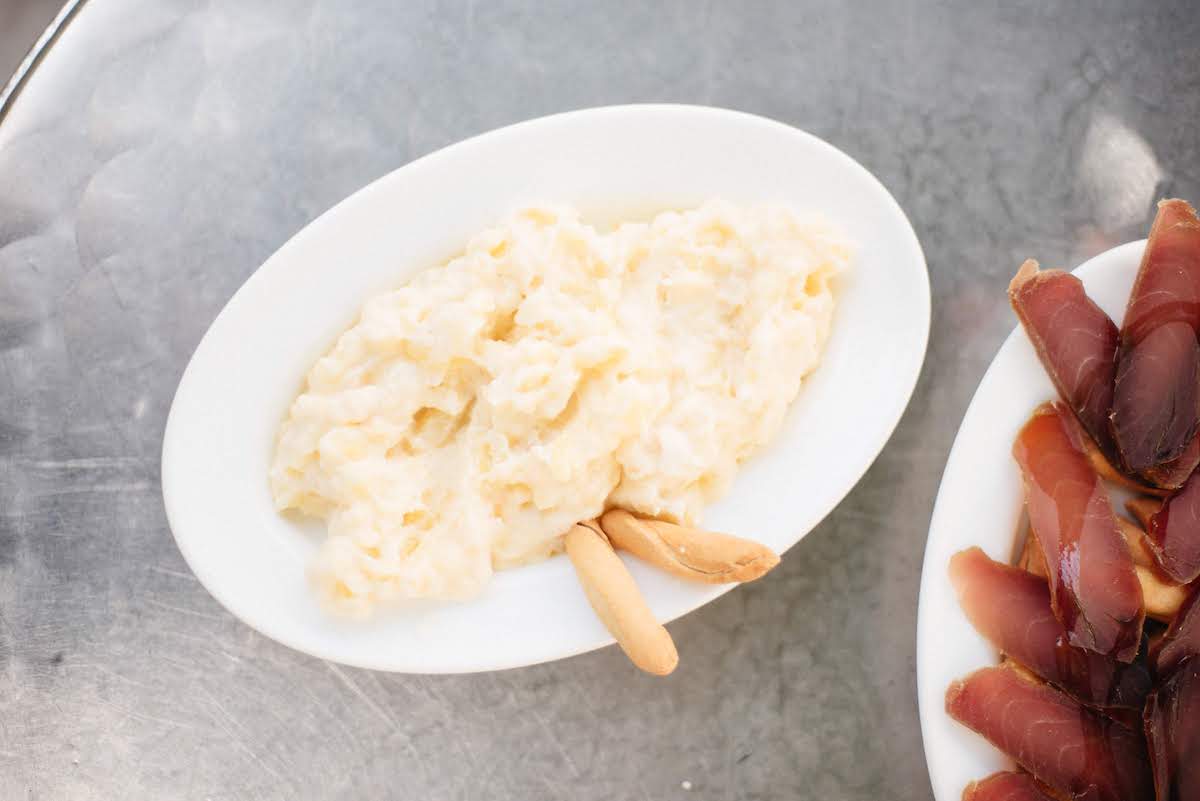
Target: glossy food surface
{"x": 1094, "y": 588}
{"x": 1012, "y": 609}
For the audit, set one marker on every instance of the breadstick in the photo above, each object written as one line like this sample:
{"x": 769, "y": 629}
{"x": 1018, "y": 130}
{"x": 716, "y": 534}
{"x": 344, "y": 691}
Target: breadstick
{"x": 689, "y": 553}
{"x": 618, "y": 602}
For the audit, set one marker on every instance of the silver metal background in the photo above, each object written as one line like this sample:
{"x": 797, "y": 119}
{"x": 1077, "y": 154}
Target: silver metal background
{"x": 162, "y": 150}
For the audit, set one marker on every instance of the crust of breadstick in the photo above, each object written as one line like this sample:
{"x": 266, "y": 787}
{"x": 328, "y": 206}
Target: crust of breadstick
{"x": 618, "y": 603}
{"x": 689, "y": 553}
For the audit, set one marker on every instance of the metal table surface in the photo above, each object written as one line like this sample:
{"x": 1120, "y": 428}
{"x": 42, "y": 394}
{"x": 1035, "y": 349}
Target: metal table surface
{"x": 162, "y": 150}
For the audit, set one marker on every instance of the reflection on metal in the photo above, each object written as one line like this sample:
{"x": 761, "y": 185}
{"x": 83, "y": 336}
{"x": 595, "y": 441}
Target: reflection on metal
{"x": 1120, "y": 171}
{"x": 11, "y": 89}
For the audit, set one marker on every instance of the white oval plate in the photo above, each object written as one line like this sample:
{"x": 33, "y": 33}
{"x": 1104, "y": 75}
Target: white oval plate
{"x": 610, "y": 163}
{"x": 980, "y": 503}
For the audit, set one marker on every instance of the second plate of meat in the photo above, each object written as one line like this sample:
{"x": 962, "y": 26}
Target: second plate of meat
{"x": 1067, "y": 611}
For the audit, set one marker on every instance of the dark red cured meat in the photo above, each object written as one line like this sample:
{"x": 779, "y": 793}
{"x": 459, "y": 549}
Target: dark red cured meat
{"x": 1156, "y": 401}
{"x": 1006, "y": 787}
{"x": 1174, "y": 533}
{"x": 1152, "y": 429}
{"x": 1076, "y": 343}
{"x": 1066, "y": 746}
{"x": 1171, "y": 475}
{"x": 1182, "y": 639}
{"x": 1172, "y": 722}
{"x": 1167, "y": 288}
{"x": 1011, "y": 608}
{"x": 1094, "y": 588}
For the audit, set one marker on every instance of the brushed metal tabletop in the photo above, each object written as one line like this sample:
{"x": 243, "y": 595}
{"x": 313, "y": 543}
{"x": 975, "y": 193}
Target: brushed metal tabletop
{"x": 161, "y": 150}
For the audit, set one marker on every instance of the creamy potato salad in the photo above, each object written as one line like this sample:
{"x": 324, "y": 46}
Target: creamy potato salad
{"x": 550, "y": 372}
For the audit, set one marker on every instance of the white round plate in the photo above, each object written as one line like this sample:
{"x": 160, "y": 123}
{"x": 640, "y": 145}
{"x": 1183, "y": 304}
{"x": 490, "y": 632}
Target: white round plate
{"x": 610, "y": 163}
{"x": 980, "y": 503}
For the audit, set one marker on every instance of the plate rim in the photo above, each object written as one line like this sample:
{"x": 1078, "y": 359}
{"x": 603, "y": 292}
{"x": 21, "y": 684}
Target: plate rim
{"x": 921, "y": 315}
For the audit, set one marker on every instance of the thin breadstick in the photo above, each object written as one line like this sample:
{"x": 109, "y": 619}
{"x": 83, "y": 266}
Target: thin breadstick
{"x": 618, "y": 603}
{"x": 689, "y": 553}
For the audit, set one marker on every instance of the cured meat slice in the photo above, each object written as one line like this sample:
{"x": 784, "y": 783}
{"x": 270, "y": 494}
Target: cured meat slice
{"x": 1174, "y": 532}
{"x": 1182, "y": 639}
{"x": 1070, "y": 748}
{"x": 1094, "y": 588}
{"x": 1173, "y": 734}
{"x": 1011, "y": 608}
{"x": 1076, "y": 342}
{"x": 1006, "y": 787}
{"x": 1156, "y": 403}
{"x": 1171, "y": 475}
{"x": 1167, "y": 288}
{"x": 1161, "y": 595}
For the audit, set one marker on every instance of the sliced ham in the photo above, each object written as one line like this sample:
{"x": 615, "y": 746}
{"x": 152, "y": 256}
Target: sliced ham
{"x": 1072, "y": 749}
{"x": 1161, "y": 595}
{"x": 1172, "y": 722}
{"x": 1156, "y": 404}
{"x": 1167, "y": 288}
{"x": 1182, "y": 639}
{"x": 1171, "y": 475}
{"x": 1076, "y": 342}
{"x": 1011, "y": 608}
{"x": 1094, "y": 588}
{"x": 1143, "y": 509}
{"x": 1174, "y": 532}
{"x": 1006, "y": 787}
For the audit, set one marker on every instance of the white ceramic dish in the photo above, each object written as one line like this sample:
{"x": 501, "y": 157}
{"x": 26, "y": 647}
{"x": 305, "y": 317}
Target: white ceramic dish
{"x": 612, "y": 163}
{"x": 980, "y": 503}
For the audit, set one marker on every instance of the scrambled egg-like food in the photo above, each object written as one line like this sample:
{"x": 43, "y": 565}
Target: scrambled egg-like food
{"x": 548, "y": 373}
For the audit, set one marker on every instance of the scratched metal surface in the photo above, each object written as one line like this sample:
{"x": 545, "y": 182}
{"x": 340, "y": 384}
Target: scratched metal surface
{"x": 164, "y": 149}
